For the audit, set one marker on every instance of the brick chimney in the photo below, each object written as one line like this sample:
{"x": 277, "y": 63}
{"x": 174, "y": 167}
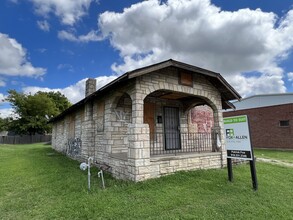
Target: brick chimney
{"x": 90, "y": 86}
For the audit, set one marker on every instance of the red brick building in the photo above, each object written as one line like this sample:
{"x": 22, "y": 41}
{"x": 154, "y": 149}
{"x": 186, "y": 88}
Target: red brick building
{"x": 270, "y": 125}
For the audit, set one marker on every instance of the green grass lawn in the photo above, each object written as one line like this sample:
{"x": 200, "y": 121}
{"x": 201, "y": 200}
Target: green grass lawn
{"x": 38, "y": 183}
{"x": 282, "y": 155}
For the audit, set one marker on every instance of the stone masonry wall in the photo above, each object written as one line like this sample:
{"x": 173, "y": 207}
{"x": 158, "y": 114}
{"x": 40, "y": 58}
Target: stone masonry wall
{"x": 112, "y": 139}
{"x": 123, "y": 112}
{"x": 141, "y": 164}
{"x": 168, "y": 80}
{"x": 66, "y": 131}
{"x": 161, "y": 166}
{"x": 124, "y": 145}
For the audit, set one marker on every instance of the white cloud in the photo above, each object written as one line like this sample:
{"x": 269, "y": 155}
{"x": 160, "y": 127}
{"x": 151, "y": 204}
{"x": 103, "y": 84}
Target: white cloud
{"x": 65, "y": 35}
{"x": 67, "y": 66}
{"x": 44, "y": 25}
{"x": 41, "y": 50}
{"x": 290, "y": 76}
{"x": 74, "y": 92}
{"x": 91, "y": 36}
{"x": 199, "y": 33}
{"x": 6, "y": 112}
{"x": 2, "y": 97}
{"x": 2, "y": 83}
{"x": 14, "y": 1}
{"x": 265, "y": 83}
{"x": 68, "y": 52}
{"x": 68, "y": 11}
{"x": 13, "y": 59}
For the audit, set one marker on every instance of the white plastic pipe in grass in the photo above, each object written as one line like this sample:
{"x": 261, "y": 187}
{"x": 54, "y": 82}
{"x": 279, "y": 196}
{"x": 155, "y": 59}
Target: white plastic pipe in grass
{"x": 101, "y": 175}
{"x": 89, "y": 172}
{"x": 84, "y": 166}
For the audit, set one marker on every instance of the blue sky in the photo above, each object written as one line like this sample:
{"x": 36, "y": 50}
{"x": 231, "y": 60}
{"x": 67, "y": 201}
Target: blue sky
{"x": 55, "y": 45}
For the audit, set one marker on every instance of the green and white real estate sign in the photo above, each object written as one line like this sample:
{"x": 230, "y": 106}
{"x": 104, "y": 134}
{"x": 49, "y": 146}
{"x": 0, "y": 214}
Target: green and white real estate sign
{"x": 238, "y": 137}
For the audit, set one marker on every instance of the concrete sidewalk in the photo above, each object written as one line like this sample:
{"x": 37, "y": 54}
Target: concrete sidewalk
{"x": 274, "y": 161}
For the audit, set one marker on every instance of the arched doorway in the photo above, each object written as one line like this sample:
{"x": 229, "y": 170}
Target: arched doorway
{"x": 179, "y": 122}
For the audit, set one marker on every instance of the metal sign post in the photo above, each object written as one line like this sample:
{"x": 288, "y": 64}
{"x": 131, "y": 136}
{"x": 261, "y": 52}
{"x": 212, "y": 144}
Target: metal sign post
{"x": 230, "y": 171}
{"x": 238, "y": 145}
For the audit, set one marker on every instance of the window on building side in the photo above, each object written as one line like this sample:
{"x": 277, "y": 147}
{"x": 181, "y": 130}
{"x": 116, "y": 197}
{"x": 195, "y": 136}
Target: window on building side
{"x": 284, "y": 123}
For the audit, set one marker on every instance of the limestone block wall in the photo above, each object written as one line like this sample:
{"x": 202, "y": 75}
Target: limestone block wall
{"x": 103, "y": 140}
{"x": 59, "y": 136}
{"x": 162, "y": 166}
{"x": 123, "y": 113}
{"x": 140, "y": 165}
{"x": 87, "y": 133}
{"x": 78, "y": 120}
{"x": 138, "y": 152}
{"x": 65, "y": 131}
{"x": 167, "y": 79}
{"x": 119, "y": 168}
{"x": 103, "y": 134}
{"x": 112, "y": 115}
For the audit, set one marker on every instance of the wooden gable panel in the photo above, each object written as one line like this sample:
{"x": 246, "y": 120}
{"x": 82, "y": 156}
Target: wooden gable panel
{"x": 186, "y": 79}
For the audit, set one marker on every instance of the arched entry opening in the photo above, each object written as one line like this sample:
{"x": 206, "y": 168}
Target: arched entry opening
{"x": 179, "y": 122}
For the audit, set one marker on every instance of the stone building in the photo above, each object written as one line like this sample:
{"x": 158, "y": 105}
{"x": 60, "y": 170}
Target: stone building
{"x": 143, "y": 124}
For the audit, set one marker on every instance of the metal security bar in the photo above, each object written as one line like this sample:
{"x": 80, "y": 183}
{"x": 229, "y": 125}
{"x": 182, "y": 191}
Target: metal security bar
{"x": 172, "y": 143}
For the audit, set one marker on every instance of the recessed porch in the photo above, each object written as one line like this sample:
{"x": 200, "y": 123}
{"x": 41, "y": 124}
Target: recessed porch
{"x": 180, "y": 123}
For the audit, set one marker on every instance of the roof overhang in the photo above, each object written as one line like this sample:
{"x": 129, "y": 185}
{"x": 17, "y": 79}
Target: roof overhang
{"x": 228, "y": 93}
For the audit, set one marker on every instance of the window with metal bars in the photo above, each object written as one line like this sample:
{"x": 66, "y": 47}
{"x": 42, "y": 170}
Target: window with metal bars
{"x": 284, "y": 123}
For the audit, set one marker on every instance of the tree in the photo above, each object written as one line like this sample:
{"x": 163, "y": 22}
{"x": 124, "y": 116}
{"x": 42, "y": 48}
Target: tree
{"x": 34, "y": 111}
{"x": 4, "y": 122}
{"x": 60, "y": 100}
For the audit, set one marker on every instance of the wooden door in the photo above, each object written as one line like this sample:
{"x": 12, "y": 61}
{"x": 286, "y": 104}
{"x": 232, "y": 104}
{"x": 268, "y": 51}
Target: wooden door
{"x": 149, "y": 117}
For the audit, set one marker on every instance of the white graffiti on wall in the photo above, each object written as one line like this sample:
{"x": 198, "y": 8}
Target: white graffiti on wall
{"x": 74, "y": 146}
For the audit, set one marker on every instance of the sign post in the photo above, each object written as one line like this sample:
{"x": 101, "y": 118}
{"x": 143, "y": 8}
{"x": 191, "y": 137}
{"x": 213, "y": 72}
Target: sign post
{"x": 239, "y": 145}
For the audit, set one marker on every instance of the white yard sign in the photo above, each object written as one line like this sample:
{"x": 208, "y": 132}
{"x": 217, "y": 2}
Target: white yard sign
{"x": 237, "y": 137}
